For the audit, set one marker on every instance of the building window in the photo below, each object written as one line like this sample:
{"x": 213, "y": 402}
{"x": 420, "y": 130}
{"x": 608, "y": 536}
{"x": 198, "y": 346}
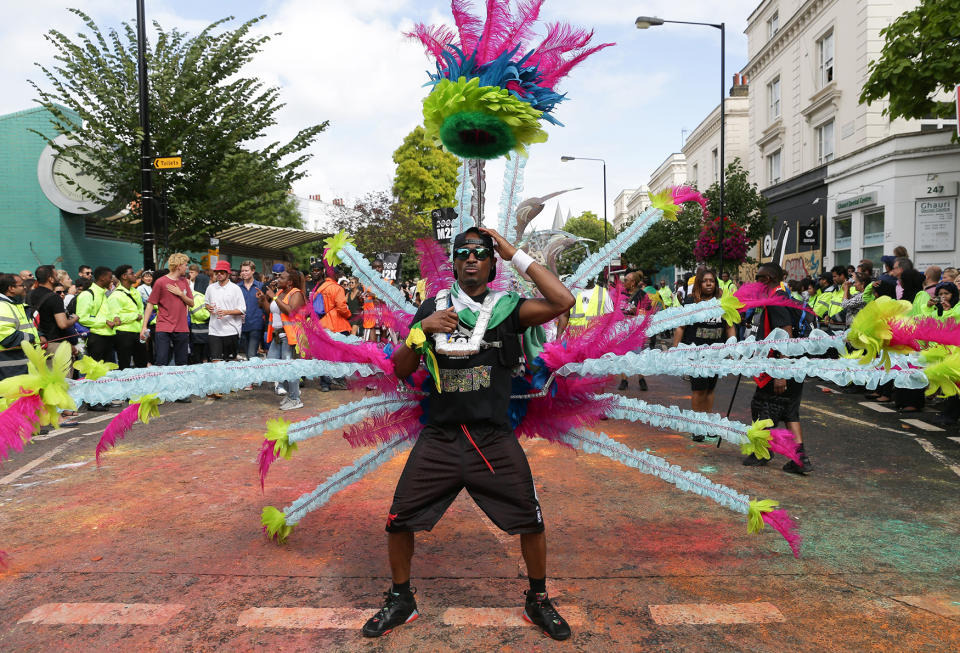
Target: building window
{"x": 873, "y": 237}
{"x": 716, "y": 165}
{"x": 842, "y": 229}
{"x": 825, "y": 142}
{"x": 773, "y": 25}
{"x": 774, "y": 170}
{"x": 773, "y": 99}
{"x": 694, "y": 175}
{"x": 825, "y": 58}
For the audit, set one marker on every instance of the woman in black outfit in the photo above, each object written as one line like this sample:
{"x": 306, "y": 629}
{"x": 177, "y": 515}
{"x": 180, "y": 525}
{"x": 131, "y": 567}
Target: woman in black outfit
{"x": 355, "y": 304}
{"x": 708, "y": 332}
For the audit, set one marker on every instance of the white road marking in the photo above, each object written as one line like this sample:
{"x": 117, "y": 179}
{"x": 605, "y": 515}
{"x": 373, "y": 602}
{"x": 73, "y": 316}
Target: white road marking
{"x": 312, "y": 618}
{"x": 99, "y": 418}
{"x": 880, "y": 408}
{"x": 53, "y": 434}
{"x": 920, "y": 424}
{"x": 929, "y": 448}
{"x": 955, "y": 439}
{"x": 12, "y": 476}
{"x": 940, "y": 604}
{"x": 715, "y": 613}
{"x": 142, "y": 614}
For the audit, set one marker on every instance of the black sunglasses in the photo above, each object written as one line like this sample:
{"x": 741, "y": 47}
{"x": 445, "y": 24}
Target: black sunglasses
{"x": 463, "y": 253}
{"x": 60, "y": 292}
{"x": 762, "y": 277}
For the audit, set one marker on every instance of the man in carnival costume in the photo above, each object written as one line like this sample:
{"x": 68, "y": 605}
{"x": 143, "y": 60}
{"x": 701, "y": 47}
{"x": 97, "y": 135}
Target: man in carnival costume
{"x": 469, "y": 337}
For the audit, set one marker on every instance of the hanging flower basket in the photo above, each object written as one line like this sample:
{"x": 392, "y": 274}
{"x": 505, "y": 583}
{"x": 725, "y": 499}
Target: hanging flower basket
{"x": 735, "y": 242}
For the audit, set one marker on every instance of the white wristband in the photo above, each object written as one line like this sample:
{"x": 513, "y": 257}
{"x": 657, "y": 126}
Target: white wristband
{"x": 521, "y": 260}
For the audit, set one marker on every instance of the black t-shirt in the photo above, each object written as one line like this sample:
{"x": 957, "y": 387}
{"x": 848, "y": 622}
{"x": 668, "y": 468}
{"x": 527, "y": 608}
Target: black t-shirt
{"x": 766, "y": 320}
{"x": 47, "y": 304}
{"x": 476, "y": 389}
{"x": 707, "y": 332}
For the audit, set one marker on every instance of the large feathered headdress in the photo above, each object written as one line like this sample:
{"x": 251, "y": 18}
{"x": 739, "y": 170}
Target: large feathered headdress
{"x": 491, "y": 88}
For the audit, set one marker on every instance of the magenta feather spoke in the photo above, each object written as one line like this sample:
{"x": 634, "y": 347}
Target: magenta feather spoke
{"x": 382, "y": 428}
{"x": 435, "y": 265}
{"x": 117, "y": 428}
{"x": 18, "y": 423}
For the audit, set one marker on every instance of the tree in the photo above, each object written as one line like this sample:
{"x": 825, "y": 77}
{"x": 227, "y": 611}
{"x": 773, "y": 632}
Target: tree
{"x": 667, "y": 243}
{"x": 201, "y": 107}
{"x": 743, "y": 202}
{"x": 585, "y": 225}
{"x": 425, "y": 177}
{"x": 919, "y": 60}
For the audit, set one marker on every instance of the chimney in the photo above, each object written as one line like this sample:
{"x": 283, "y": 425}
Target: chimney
{"x": 740, "y": 87}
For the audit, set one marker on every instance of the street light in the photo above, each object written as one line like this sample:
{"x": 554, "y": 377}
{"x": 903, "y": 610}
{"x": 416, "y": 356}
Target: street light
{"x": 645, "y": 22}
{"x": 146, "y": 164}
{"x": 586, "y": 158}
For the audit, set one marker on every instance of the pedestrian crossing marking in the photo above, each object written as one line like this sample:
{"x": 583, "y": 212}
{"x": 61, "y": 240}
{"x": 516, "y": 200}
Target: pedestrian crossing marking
{"x": 504, "y": 617}
{"x": 880, "y": 408}
{"x": 920, "y": 424}
{"x": 714, "y": 613}
{"x": 36, "y": 462}
{"x": 940, "y": 604}
{"x": 305, "y": 618}
{"x": 139, "y": 614}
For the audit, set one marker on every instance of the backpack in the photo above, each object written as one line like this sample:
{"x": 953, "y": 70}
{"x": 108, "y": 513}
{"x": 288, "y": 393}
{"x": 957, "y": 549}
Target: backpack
{"x": 319, "y": 305}
{"x": 805, "y": 323}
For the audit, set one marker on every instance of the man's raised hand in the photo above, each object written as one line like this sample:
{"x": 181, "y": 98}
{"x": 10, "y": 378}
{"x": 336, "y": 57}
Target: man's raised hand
{"x": 503, "y": 247}
{"x": 440, "y": 322}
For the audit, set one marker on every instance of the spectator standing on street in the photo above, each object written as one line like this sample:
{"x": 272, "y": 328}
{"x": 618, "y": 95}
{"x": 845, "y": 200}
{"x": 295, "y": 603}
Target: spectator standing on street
{"x": 708, "y": 332}
{"x": 146, "y": 285}
{"x": 199, "y": 319}
{"x": 337, "y": 313}
{"x": 227, "y": 306}
{"x": 355, "y": 304}
{"x": 15, "y": 327}
{"x": 96, "y": 312}
{"x": 172, "y": 297}
{"x": 251, "y": 335}
{"x": 316, "y": 278}
{"x": 128, "y": 307}
{"x": 633, "y": 285}
{"x": 86, "y": 272}
{"x": 777, "y": 399}
{"x": 53, "y": 323}
{"x": 284, "y": 300}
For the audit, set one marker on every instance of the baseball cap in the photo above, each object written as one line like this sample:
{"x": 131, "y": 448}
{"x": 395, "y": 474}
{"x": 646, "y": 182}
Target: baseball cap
{"x": 278, "y": 268}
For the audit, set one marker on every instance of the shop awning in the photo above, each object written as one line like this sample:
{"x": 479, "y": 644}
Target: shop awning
{"x": 258, "y": 236}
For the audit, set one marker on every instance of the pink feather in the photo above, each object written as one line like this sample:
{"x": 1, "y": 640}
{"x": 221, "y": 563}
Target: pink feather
{"x": 18, "y": 423}
{"x": 468, "y": 25}
{"x": 756, "y": 294}
{"x": 265, "y": 458}
{"x": 926, "y": 329}
{"x": 572, "y": 406}
{"x": 433, "y": 38}
{"x": 494, "y": 29}
{"x": 396, "y": 320}
{"x": 780, "y": 521}
{"x": 783, "y": 442}
{"x": 682, "y": 194}
{"x": 380, "y": 383}
{"x": 435, "y": 265}
{"x": 320, "y": 346}
{"x": 502, "y": 280}
{"x": 403, "y": 424}
{"x": 117, "y": 428}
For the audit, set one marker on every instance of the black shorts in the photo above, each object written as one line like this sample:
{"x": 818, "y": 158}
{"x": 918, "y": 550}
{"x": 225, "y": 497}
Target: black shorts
{"x": 221, "y": 348}
{"x": 443, "y": 462}
{"x": 708, "y": 383}
{"x": 779, "y": 408}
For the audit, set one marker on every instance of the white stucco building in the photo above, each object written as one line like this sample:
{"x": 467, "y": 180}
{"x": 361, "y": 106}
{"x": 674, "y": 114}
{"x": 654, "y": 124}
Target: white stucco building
{"x": 702, "y": 149}
{"x": 672, "y": 172}
{"x": 628, "y": 204}
{"x": 318, "y": 215}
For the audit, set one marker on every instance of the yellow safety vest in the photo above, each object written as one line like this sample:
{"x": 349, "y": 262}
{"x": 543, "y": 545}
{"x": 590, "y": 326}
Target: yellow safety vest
{"x": 128, "y": 306}
{"x": 14, "y": 318}
{"x": 199, "y": 315}
{"x": 94, "y": 310}
{"x": 594, "y": 306}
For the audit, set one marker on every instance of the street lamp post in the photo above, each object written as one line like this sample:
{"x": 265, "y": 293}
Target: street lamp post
{"x": 146, "y": 165}
{"x": 645, "y": 22}
{"x": 586, "y": 158}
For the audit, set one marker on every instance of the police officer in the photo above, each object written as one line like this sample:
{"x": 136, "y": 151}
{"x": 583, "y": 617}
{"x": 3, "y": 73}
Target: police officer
{"x": 15, "y": 327}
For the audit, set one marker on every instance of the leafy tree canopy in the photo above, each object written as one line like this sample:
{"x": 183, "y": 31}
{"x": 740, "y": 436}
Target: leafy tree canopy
{"x": 919, "y": 60}
{"x": 743, "y": 202}
{"x": 201, "y": 108}
{"x": 425, "y": 177}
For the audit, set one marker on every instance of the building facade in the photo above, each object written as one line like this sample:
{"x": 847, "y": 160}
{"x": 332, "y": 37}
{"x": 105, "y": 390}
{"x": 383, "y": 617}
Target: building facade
{"x": 702, "y": 148}
{"x": 672, "y": 172}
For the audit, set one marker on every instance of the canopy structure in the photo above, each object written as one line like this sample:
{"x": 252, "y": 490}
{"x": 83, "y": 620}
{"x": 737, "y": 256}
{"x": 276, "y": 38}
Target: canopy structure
{"x": 262, "y": 241}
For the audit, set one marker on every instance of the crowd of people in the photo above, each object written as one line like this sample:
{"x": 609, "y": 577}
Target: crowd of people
{"x": 182, "y": 315}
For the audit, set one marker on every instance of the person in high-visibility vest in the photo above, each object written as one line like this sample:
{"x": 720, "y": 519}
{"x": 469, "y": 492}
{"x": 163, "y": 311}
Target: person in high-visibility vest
{"x": 15, "y": 327}
{"x": 666, "y": 295}
{"x": 199, "y": 319}
{"x": 727, "y": 286}
{"x": 127, "y": 306}
{"x": 97, "y": 314}
{"x": 591, "y": 302}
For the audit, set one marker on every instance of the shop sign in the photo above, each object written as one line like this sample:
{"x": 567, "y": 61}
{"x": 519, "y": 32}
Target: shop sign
{"x": 858, "y": 202}
{"x": 936, "y": 225}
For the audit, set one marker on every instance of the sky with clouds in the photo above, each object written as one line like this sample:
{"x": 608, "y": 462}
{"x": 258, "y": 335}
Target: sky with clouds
{"x": 347, "y": 61}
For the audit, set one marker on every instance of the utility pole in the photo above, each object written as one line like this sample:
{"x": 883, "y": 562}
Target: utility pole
{"x": 147, "y": 212}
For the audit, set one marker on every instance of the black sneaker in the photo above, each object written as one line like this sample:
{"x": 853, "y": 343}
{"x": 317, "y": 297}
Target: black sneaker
{"x": 398, "y": 609}
{"x": 803, "y": 468}
{"x": 753, "y": 461}
{"x": 540, "y": 612}
{"x": 698, "y": 438}
{"x": 643, "y": 384}
{"x": 623, "y": 384}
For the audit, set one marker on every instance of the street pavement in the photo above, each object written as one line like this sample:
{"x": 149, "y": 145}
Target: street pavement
{"x": 161, "y": 547}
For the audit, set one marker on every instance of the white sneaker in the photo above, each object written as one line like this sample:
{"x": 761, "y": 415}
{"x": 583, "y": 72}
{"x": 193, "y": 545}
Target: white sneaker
{"x": 289, "y": 404}
{"x": 279, "y": 389}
